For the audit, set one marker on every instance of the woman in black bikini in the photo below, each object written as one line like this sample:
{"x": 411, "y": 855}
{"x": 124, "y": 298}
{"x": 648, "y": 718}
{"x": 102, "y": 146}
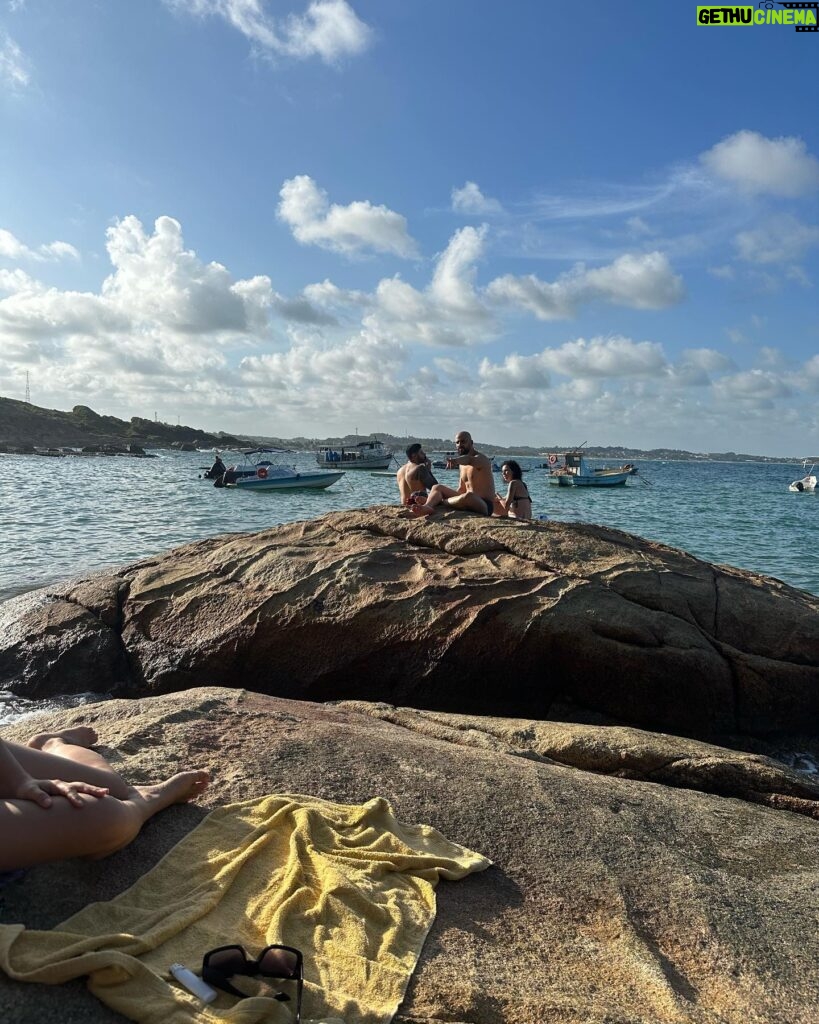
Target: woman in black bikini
{"x": 517, "y": 504}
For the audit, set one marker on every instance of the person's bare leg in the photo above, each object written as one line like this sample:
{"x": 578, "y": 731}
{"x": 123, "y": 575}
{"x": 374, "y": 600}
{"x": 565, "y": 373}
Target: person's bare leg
{"x": 67, "y": 755}
{"x": 78, "y": 735}
{"x": 36, "y": 835}
{"x": 436, "y": 496}
{"x": 468, "y": 502}
{"x": 76, "y": 744}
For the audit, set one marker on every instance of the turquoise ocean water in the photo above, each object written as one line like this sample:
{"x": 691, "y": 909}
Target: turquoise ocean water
{"x": 60, "y": 517}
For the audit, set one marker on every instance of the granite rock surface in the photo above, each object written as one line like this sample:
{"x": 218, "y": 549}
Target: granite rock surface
{"x": 453, "y": 613}
{"x": 637, "y": 878}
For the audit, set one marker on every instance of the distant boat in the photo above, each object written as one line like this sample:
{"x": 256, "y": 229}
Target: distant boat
{"x": 440, "y": 463}
{"x": 364, "y": 455}
{"x": 259, "y": 473}
{"x": 571, "y": 469}
{"x": 807, "y": 485}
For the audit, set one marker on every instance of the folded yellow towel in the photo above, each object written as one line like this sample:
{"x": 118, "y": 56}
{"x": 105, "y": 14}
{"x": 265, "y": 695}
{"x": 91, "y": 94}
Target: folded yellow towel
{"x": 349, "y": 885}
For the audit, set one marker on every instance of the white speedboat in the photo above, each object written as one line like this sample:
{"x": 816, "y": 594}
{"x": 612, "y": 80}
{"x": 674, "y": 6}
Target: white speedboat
{"x": 571, "y": 469}
{"x": 807, "y": 484}
{"x": 364, "y": 455}
{"x": 259, "y": 473}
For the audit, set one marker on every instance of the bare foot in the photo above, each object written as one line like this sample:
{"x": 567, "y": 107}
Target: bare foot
{"x": 421, "y": 510}
{"x": 79, "y": 736}
{"x": 178, "y": 789}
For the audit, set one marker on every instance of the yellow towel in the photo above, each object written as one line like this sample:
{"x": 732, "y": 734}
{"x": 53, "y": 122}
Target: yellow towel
{"x": 349, "y": 885}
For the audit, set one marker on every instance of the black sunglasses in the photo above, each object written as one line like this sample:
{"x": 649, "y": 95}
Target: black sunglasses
{"x": 284, "y": 962}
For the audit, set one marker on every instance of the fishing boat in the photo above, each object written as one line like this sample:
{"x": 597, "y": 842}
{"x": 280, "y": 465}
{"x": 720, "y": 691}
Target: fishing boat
{"x": 364, "y": 455}
{"x": 807, "y": 484}
{"x": 571, "y": 469}
{"x": 259, "y": 473}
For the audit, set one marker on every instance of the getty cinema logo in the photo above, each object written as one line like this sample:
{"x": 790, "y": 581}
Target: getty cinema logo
{"x": 803, "y": 16}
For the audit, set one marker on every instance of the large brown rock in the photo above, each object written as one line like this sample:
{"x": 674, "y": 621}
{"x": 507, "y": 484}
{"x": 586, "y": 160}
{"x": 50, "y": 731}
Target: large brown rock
{"x": 454, "y": 613}
{"x": 613, "y": 900}
{"x": 54, "y": 645}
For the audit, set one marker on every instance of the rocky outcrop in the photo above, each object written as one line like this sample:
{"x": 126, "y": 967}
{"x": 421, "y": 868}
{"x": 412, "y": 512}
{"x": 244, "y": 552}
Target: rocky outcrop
{"x": 453, "y": 613}
{"x": 611, "y": 898}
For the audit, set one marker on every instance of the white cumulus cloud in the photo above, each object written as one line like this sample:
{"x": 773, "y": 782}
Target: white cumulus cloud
{"x": 644, "y": 281}
{"x": 471, "y": 200}
{"x": 708, "y": 359}
{"x": 606, "y": 357}
{"x": 780, "y": 240}
{"x": 754, "y": 386}
{"x": 329, "y": 29}
{"x": 345, "y": 229}
{"x": 161, "y": 317}
{"x": 13, "y": 249}
{"x": 157, "y": 281}
{"x": 596, "y": 359}
{"x": 314, "y": 374}
{"x": 781, "y": 167}
{"x": 450, "y": 312}
{"x": 516, "y": 372}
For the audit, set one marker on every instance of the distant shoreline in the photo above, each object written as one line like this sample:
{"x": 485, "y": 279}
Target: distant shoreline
{"x": 596, "y": 454}
{"x": 25, "y": 428}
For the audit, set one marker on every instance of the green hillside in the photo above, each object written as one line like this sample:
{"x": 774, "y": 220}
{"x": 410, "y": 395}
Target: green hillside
{"x": 23, "y": 425}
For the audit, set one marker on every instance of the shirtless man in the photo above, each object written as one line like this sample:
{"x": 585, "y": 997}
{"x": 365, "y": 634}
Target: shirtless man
{"x": 476, "y": 489}
{"x": 415, "y": 476}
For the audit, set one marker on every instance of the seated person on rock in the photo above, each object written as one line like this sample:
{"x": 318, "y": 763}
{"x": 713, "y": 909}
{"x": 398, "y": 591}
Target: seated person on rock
{"x": 517, "y": 504}
{"x": 415, "y": 478}
{"x": 59, "y": 798}
{"x": 476, "y": 488}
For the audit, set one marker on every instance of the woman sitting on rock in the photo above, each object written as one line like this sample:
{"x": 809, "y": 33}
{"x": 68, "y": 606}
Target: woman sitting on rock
{"x": 517, "y": 504}
{"x": 60, "y": 799}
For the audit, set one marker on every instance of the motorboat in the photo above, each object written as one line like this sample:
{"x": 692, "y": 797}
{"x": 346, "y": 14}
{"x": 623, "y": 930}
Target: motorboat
{"x": 807, "y": 484}
{"x": 259, "y": 473}
{"x": 571, "y": 469}
{"x": 364, "y": 455}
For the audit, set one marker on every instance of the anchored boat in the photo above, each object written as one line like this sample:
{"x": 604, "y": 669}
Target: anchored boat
{"x": 364, "y": 455}
{"x": 259, "y": 473}
{"x": 807, "y": 485}
{"x": 571, "y": 469}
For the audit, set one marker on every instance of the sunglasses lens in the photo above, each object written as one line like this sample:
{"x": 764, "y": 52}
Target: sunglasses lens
{"x": 228, "y": 961}
{"x": 279, "y": 963}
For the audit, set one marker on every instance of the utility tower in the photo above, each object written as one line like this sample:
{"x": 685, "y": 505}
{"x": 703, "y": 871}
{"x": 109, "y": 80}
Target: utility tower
{"x": 28, "y": 390}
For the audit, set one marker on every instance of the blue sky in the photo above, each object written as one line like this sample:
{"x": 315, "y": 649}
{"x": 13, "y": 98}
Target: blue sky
{"x": 544, "y": 223}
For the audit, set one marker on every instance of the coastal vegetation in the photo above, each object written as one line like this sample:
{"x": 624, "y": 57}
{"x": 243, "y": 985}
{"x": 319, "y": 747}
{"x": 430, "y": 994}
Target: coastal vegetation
{"x": 24, "y": 427}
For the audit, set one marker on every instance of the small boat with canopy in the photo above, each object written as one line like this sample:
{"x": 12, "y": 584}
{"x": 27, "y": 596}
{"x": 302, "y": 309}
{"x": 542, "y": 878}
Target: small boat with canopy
{"x": 571, "y": 469}
{"x": 371, "y": 454}
{"x": 259, "y": 472}
{"x": 807, "y": 484}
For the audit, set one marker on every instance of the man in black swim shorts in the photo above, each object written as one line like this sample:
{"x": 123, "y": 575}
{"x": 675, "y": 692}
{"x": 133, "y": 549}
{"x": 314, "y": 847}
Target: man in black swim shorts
{"x": 476, "y": 488}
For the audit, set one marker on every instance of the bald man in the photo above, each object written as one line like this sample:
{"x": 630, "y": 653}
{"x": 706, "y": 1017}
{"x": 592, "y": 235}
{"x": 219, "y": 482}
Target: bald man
{"x": 476, "y": 487}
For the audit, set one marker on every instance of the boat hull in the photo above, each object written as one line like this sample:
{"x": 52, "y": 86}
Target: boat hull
{"x": 361, "y": 463}
{"x": 299, "y": 481}
{"x": 571, "y": 469}
{"x": 364, "y": 455}
{"x": 598, "y": 480}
